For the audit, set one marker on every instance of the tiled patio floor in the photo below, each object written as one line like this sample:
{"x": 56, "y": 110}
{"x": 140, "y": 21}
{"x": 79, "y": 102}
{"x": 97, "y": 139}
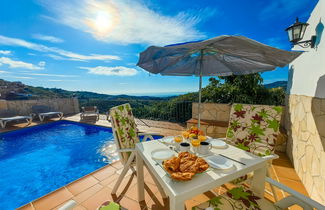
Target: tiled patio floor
{"x": 94, "y": 189}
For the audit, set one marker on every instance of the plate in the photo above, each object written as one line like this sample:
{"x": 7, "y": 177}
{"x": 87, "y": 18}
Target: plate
{"x": 217, "y": 143}
{"x": 162, "y": 154}
{"x": 168, "y": 140}
{"x": 219, "y": 162}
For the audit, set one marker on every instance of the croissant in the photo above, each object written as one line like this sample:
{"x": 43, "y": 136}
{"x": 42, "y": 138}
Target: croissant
{"x": 172, "y": 165}
{"x": 185, "y": 166}
{"x": 182, "y": 176}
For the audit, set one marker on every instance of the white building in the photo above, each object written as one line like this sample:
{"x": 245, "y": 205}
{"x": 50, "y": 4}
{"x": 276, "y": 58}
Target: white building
{"x": 306, "y": 109}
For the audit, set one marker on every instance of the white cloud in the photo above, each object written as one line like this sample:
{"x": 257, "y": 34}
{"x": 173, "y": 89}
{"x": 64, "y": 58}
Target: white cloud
{"x": 8, "y": 41}
{"x": 3, "y": 72}
{"x": 111, "y": 71}
{"x": 42, "y": 63}
{"x": 282, "y": 8}
{"x": 52, "y": 39}
{"x": 5, "y": 52}
{"x": 50, "y": 75}
{"x": 126, "y": 21}
{"x": 15, "y": 77}
{"x": 59, "y": 80}
{"x": 18, "y": 64}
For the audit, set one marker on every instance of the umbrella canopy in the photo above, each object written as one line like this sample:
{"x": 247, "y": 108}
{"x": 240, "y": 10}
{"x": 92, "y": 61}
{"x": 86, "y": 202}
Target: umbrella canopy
{"x": 219, "y": 56}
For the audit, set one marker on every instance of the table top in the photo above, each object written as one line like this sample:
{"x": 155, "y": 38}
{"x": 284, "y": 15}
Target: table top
{"x": 204, "y": 181}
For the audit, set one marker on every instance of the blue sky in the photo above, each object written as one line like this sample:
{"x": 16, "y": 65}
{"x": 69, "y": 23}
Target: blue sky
{"x": 93, "y": 45}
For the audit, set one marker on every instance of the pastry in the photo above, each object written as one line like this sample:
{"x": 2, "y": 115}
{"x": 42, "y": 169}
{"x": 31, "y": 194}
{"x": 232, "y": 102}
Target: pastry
{"x": 172, "y": 165}
{"x": 182, "y": 176}
{"x": 185, "y": 166}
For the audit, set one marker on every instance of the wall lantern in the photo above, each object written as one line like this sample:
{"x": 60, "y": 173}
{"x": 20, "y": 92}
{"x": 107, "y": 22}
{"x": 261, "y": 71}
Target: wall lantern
{"x": 296, "y": 33}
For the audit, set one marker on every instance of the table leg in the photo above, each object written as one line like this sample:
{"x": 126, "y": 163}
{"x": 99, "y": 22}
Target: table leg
{"x": 140, "y": 177}
{"x": 175, "y": 204}
{"x": 258, "y": 182}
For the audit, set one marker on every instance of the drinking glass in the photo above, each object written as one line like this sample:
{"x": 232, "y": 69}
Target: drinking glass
{"x": 178, "y": 140}
{"x": 195, "y": 144}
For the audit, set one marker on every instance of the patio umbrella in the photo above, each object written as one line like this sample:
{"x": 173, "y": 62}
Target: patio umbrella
{"x": 219, "y": 56}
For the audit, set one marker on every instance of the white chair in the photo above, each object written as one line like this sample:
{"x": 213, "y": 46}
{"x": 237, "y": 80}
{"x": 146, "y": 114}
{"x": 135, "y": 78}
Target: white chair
{"x": 243, "y": 198}
{"x": 255, "y": 128}
{"x": 126, "y": 136}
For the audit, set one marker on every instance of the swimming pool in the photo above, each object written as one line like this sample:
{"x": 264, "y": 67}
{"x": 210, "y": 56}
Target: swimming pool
{"x": 37, "y": 160}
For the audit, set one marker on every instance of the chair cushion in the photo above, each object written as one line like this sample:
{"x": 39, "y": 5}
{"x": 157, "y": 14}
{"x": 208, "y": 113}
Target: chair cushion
{"x": 124, "y": 126}
{"x": 236, "y": 198}
{"x": 254, "y": 128}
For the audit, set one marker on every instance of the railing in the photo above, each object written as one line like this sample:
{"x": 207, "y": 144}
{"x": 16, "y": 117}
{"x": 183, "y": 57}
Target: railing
{"x": 161, "y": 110}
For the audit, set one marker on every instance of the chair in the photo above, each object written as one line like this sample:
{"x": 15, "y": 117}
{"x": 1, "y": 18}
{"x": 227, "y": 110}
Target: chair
{"x": 126, "y": 136}
{"x": 254, "y": 128}
{"x": 44, "y": 111}
{"x": 243, "y": 198}
{"x": 89, "y": 112}
{"x": 10, "y": 116}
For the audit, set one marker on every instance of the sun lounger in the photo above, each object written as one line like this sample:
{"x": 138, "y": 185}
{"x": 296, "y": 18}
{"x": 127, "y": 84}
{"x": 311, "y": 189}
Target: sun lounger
{"x": 43, "y": 111}
{"x": 9, "y": 116}
{"x": 89, "y": 112}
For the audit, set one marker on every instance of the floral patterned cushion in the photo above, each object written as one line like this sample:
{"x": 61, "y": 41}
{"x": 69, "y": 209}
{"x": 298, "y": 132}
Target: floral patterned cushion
{"x": 254, "y": 128}
{"x": 236, "y": 198}
{"x": 124, "y": 126}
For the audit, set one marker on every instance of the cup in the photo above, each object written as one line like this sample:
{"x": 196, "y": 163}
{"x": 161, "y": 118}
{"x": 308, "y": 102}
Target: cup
{"x": 184, "y": 147}
{"x": 205, "y": 147}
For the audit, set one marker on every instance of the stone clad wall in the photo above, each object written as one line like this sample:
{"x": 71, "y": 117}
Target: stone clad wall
{"x": 24, "y": 107}
{"x": 305, "y": 123}
{"x": 212, "y": 111}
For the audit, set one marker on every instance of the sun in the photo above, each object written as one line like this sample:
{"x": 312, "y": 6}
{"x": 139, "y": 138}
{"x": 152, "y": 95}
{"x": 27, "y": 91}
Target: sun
{"x": 103, "y": 21}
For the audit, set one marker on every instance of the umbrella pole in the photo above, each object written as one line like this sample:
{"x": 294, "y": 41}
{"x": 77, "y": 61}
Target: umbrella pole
{"x": 200, "y": 91}
{"x": 200, "y": 96}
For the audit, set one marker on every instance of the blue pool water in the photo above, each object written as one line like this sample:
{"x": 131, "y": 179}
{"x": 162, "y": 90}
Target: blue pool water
{"x": 37, "y": 160}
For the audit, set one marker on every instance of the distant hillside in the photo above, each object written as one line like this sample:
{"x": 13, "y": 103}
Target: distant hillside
{"x": 277, "y": 84}
{"x": 40, "y": 92}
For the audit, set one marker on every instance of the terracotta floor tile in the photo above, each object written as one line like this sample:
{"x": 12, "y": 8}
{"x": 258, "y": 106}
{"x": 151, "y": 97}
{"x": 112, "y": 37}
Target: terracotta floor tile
{"x": 52, "y": 200}
{"x": 288, "y": 173}
{"x": 125, "y": 185}
{"x": 149, "y": 179}
{"x": 104, "y": 173}
{"x": 79, "y": 207}
{"x": 119, "y": 171}
{"x": 98, "y": 198}
{"x": 189, "y": 204}
{"x": 27, "y": 207}
{"x": 131, "y": 204}
{"x": 151, "y": 192}
{"x": 203, "y": 197}
{"x": 117, "y": 164}
{"x": 87, "y": 193}
{"x": 109, "y": 180}
{"x": 295, "y": 185}
{"x": 82, "y": 184}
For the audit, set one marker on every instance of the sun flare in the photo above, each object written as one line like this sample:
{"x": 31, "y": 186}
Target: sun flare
{"x": 103, "y": 21}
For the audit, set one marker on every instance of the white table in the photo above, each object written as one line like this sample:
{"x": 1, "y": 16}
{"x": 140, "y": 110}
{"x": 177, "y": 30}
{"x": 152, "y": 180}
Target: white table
{"x": 179, "y": 192}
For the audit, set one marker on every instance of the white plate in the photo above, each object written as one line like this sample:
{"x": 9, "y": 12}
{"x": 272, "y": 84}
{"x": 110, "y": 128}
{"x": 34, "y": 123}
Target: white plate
{"x": 217, "y": 143}
{"x": 162, "y": 154}
{"x": 219, "y": 162}
{"x": 168, "y": 140}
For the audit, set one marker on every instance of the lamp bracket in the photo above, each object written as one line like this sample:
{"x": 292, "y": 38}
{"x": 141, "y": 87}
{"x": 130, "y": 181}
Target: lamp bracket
{"x": 307, "y": 43}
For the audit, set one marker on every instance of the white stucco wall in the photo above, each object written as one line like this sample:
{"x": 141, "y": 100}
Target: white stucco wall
{"x": 307, "y": 72}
